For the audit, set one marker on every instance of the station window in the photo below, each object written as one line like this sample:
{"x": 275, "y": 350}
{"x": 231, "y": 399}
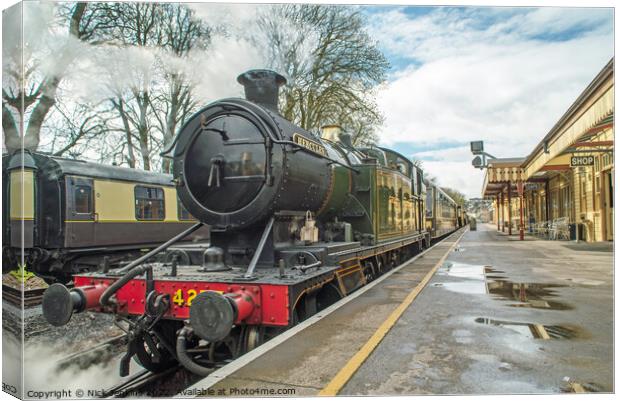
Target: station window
{"x": 402, "y": 166}
{"x": 566, "y": 204}
{"x": 597, "y": 192}
{"x": 583, "y": 202}
{"x": 83, "y": 200}
{"x": 149, "y": 203}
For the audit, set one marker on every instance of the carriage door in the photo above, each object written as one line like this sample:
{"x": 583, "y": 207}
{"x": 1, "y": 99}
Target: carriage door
{"x": 80, "y": 212}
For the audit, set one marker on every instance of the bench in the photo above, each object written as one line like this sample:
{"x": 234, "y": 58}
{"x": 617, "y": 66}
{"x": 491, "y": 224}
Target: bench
{"x": 559, "y": 229}
{"x": 541, "y": 228}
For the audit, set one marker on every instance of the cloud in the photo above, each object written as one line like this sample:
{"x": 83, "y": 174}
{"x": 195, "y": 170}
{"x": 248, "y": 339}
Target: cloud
{"x": 218, "y": 75}
{"x": 232, "y": 16}
{"x": 502, "y": 75}
{"x": 449, "y": 165}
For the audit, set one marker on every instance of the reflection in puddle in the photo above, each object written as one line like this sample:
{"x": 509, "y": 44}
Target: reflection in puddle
{"x": 475, "y": 274}
{"x": 571, "y": 386}
{"x": 467, "y": 287}
{"x": 534, "y": 330}
{"x": 529, "y": 295}
{"x": 486, "y": 280}
{"x": 462, "y": 270}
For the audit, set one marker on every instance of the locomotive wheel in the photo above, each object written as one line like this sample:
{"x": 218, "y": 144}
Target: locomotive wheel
{"x": 370, "y": 271}
{"x": 253, "y": 337}
{"x": 328, "y": 295}
{"x": 144, "y": 355}
{"x": 146, "y": 358}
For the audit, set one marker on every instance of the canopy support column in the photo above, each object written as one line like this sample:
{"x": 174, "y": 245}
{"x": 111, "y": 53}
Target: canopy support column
{"x": 497, "y": 210}
{"x": 509, "y": 209}
{"x": 503, "y": 211}
{"x": 520, "y": 192}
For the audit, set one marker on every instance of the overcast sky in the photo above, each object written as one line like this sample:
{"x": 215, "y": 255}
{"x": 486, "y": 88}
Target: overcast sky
{"x": 502, "y": 75}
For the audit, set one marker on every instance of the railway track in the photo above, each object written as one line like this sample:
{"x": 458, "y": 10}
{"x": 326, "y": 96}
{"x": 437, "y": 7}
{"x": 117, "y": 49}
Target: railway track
{"x": 144, "y": 383}
{"x": 98, "y": 354}
{"x": 133, "y": 384}
{"x": 148, "y": 384}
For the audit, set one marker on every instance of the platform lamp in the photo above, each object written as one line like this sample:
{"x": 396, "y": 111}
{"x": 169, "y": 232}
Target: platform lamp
{"x": 477, "y": 149}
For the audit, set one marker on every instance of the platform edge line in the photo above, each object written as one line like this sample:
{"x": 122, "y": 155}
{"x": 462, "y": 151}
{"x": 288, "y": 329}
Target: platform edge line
{"x": 347, "y": 371}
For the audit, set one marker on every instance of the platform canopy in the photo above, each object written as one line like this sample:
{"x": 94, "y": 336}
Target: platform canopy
{"x": 500, "y": 173}
{"x": 577, "y": 132}
{"x": 573, "y": 134}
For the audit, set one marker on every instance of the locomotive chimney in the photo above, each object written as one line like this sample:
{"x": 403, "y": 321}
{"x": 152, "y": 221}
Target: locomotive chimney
{"x": 262, "y": 87}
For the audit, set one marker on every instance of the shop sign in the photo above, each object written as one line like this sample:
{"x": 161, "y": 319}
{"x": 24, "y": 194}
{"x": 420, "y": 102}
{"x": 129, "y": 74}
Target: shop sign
{"x": 580, "y": 161}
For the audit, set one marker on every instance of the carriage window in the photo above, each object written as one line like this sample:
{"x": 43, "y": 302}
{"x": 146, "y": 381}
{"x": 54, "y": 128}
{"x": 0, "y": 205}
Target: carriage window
{"x": 82, "y": 198}
{"x": 429, "y": 204}
{"x": 149, "y": 203}
{"x": 183, "y": 213}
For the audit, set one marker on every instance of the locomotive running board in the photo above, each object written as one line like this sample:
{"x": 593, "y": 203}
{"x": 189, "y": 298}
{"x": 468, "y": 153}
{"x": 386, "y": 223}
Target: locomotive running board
{"x": 237, "y": 364}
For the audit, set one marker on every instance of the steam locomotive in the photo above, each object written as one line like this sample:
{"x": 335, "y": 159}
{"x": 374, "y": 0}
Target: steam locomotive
{"x": 297, "y": 221}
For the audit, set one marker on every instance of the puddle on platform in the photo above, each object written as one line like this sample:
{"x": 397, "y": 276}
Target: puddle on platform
{"x": 585, "y": 281}
{"x": 528, "y": 295}
{"x": 535, "y": 330}
{"x": 572, "y": 386}
{"x": 466, "y": 287}
{"x": 484, "y": 279}
{"x": 464, "y": 270}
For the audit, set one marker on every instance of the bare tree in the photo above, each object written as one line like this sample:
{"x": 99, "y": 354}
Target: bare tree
{"x": 30, "y": 91}
{"x": 75, "y": 127}
{"x": 332, "y": 66}
{"x": 136, "y": 25}
{"x": 152, "y": 94}
{"x": 182, "y": 34}
{"x": 362, "y": 123}
{"x": 456, "y": 195}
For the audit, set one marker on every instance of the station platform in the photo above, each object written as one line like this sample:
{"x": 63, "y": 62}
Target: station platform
{"x": 480, "y": 313}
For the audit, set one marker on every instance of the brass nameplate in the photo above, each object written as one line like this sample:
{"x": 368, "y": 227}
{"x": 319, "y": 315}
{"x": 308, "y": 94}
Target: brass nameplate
{"x": 312, "y": 146}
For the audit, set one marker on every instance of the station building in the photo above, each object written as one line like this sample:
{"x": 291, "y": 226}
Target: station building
{"x": 564, "y": 187}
